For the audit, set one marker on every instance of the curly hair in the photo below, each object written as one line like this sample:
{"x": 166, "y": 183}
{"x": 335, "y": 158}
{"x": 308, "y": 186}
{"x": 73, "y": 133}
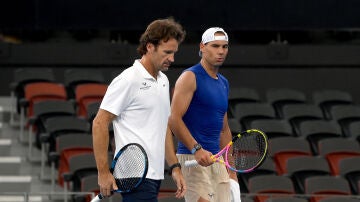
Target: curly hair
{"x": 158, "y": 30}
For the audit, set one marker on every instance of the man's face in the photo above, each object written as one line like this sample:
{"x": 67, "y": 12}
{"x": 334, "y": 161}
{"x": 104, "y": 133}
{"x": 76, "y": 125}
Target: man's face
{"x": 163, "y": 55}
{"x": 215, "y": 52}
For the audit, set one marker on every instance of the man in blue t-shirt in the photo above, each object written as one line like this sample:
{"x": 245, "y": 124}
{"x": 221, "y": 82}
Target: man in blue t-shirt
{"x": 199, "y": 120}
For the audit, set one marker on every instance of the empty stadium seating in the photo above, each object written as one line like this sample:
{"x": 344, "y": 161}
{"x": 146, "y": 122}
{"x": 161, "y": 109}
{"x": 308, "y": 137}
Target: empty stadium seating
{"x": 311, "y": 136}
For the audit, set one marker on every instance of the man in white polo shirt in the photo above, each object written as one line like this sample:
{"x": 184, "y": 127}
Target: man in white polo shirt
{"x": 137, "y": 102}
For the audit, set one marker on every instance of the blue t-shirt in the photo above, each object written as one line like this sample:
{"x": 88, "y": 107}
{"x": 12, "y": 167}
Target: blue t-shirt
{"x": 205, "y": 115}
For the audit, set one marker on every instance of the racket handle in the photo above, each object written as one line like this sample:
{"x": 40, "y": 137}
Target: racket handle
{"x": 97, "y": 198}
{"x": 191, "y": 163}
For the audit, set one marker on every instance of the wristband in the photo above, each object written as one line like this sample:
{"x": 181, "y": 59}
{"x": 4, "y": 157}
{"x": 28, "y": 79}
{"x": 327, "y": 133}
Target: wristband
{"x": 174, "y": 166}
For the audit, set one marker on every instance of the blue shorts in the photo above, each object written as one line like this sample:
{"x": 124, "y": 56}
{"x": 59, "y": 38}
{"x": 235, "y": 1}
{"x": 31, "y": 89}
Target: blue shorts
{"x": 148, "y": 191}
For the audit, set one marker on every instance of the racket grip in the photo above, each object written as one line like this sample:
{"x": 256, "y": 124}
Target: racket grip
{"x": 191, "y": 163}
{"x": 97, "y": 198}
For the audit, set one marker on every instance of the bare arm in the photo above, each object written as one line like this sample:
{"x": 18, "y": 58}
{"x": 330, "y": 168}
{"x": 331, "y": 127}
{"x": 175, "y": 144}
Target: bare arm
{"x": 183, "y": 93}
{"x": 171, "y": 159}
{"x": 225, "y": 138}
{"x": 100, "y": 133}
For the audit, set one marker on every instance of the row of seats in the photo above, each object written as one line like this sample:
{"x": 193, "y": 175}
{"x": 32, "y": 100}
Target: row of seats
{"x": 59, "y": 117}
{"x": 278, "y": 97}
{"x": 313, "y": 144}
{"x": 61, "y": 124}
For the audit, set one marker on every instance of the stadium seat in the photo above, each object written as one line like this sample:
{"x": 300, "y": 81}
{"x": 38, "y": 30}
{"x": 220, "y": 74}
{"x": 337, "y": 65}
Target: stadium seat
{"x": 235, "y": 126}
{"x": 247, "y": 112}
{"x": 62, "y": 125}
{"x": 86, "y": 94}
{"x": 36, "y": 92}
{"x": 279, "y": 97}
{"x": 302, "y": 167}
{"x": 345, "y": 114}
{"x": 273, "y": 128}
{"x": 262, "y": 185}
{"x": 266, "y": 168}
{"x": 336, "y": 149}
{"x": 320, "y": 186}
{"x": 349, "y": 168}
{"x": 21, "y": 77}
{"x": 328, "y": 98}
{"x": 283, "y": 148}
{"x": 43, "y": 110}
{"x": 296, "y": 113}
{"x": 77, "y": 167}
{"x": 315, "y": 130}
{"x": 92, "y": 109}
{"x": 353, "y": 130}
{"x": 65, "y": 146}
{"x": 74, "y": 77}
{"x": 241, "y": 95}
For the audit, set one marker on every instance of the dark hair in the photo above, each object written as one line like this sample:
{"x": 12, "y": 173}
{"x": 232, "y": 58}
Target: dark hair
{"x": 158, "y": 30}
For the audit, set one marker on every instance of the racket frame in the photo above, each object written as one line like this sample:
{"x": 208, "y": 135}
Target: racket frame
{"x": 228, "y": 146}
{"x": 226, "y": 149}
{"x": 113, "y": 164}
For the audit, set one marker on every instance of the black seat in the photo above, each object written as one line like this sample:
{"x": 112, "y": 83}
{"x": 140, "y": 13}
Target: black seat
{"x": 71, "y": 143}
{"x": 267, "y": 167}
{"x": 283, "y": 148}
{"x": 235, "y": 126}
{"x": 267, "y": 186}
{"x": 241, "y": 95}
{"x": 279, "y": 97}
{"x": 302, "y": 167}
{"x": 273, "y": 127}
{"x": 74, "y": 77}
{"x": 328, "y": 98}
{"x": 296, "y": 113}
{"x": 61, "y": 125}
{"x": 247, "y": 112}
{"x": 349, "y": 168}
{"x": 353, "y": 130}
{"x": 23, "y": 76}
{"x": 326, "y": 185}
{"x": 79, "y": 166}
{"x": 336, "y": 149}
{"x": 315, "y": 130}
{"x": 345, "y": 114}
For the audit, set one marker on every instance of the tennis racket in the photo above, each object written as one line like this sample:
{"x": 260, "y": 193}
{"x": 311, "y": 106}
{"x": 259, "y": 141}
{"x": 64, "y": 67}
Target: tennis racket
{"x": 129, "y": 168}
{"x": 246, "y": 151}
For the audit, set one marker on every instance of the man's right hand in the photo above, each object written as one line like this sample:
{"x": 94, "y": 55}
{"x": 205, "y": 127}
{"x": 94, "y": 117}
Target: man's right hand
{"x": 203, "y": 157}
{"x": 107, "y": 183}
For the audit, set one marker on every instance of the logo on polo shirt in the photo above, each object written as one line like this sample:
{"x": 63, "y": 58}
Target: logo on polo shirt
{"x": 144, "y": 86}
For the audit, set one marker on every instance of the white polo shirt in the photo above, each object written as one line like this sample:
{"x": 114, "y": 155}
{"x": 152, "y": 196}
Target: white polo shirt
{"x": 142, "y": 106}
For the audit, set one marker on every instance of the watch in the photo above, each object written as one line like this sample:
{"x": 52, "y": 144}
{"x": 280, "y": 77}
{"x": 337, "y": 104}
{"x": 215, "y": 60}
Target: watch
{"x": 196, "y": 147}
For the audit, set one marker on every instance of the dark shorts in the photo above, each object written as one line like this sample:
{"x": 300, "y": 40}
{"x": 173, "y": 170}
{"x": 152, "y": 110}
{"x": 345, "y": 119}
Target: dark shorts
{"x": 147, "y": 191}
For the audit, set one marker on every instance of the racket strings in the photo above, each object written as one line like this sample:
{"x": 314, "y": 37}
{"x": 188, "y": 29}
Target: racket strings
{"x": 129, "y": 168}
{"x": 248, "y": 151}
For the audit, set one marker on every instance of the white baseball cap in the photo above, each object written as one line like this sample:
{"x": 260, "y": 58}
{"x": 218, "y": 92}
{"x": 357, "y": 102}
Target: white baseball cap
{"x": 209, "y": 35}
